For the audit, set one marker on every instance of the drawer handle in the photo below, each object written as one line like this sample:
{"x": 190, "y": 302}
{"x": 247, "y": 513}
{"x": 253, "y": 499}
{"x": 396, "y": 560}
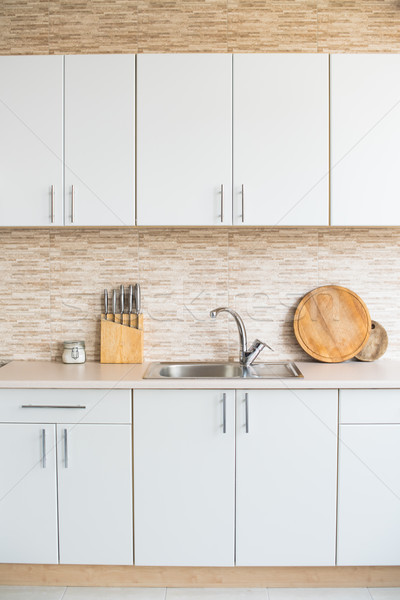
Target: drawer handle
{"x": 246, "y": 403}
{"x": 44, "y": 448}
{"x": 52, "y": 406}
{"x": 66, "y": 448}
{"x": 223, "y": 413}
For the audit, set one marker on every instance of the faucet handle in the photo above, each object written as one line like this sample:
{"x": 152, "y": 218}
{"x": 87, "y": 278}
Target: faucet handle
{"x": 259, "y": 344}
{"x": 256, "y": 347}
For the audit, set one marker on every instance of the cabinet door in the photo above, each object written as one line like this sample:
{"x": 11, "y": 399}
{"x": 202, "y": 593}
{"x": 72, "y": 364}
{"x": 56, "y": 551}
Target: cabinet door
{"x": 369, "y": 495}
{"x": 184, "y": 139}
{"x": 280, "y": 150}
{"x": 100, "y": 140}
{"x": 286, "y": 477}
{"x": 95, "y": 494}
{"x": 31, "y": 142}
{"x": 28, "y": 494}
{"x": 184, "y": 477}
{"x": 365, "y": 154}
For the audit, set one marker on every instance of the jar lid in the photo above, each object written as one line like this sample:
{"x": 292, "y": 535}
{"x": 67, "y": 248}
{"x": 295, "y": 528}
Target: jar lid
{"x": 80, "y": 344}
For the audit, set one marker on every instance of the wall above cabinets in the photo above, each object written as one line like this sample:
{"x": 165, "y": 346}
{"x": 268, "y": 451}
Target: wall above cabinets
{"x": 252, "y": 139}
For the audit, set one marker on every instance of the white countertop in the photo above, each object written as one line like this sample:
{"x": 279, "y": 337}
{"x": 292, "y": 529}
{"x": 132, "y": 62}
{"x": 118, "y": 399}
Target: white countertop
{"x": 384, "y": 373}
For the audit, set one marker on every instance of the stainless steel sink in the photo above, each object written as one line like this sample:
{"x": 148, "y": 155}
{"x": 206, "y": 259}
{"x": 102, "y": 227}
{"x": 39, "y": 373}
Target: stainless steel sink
{"x": 204, "y": 370}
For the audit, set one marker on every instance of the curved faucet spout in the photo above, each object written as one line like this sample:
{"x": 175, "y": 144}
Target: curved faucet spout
{"x": 241, "y": 329}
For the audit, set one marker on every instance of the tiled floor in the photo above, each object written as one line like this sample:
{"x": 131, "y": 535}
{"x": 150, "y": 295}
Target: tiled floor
{"x": 80, "y": 593}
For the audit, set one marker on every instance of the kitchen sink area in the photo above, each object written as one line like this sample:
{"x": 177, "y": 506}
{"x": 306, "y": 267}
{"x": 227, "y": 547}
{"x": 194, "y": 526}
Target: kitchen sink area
{"x": 228, "y": 370}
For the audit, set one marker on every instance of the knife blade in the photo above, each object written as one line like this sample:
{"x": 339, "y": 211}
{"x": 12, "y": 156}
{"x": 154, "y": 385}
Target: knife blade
{"x": 105, "y": 304}
{"x": 130, "y": 304}
{"x": 114, "y": 303}
{"x": 137, "y": 298}
{"x": 121, "y": 296}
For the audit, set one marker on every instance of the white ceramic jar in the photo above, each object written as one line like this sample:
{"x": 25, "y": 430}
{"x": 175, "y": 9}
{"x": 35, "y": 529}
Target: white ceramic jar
{"x": 74, "y": 353}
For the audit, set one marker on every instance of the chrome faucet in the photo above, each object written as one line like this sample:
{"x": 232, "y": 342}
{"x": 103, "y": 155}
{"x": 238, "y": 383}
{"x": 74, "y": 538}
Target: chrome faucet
{"x": 247, "y": 355}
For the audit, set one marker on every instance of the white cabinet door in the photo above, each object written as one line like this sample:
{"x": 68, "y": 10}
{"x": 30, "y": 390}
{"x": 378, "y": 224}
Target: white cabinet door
{"x": 31, "y": 141}
{"x": 184, "y": 143}
{"x": 100, "y": 140}
{"x": 369, "y": 495}
{"x": 286, "y": 477}
{"x": 28, "y": 494}
{"x": 95, "y": 494}
{"x": 365, "y": 129}
{"x": 184, "y": 470}
{"x": 280, "y": 150}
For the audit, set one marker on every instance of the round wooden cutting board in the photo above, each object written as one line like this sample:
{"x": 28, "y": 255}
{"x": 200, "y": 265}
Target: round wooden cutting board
{"x": 332, "y": 324}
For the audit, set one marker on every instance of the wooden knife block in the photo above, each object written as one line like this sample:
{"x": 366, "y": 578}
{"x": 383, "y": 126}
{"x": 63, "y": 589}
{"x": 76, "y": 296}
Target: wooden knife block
{"x": 121, "y": 344}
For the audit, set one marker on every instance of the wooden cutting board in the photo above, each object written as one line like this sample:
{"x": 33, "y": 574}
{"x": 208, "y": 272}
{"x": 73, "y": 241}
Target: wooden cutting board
{"x": 377, "y": 343}
{"x": 332, "y": 324}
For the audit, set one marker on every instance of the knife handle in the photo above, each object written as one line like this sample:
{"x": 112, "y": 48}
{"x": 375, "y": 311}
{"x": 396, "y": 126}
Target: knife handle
{"x": 114, "y": 303}
{"x": 137, "y": 298}
{"x": 130, "y": 297}
{"x": 105, "y": 304}
{"x": 121, "y": 295}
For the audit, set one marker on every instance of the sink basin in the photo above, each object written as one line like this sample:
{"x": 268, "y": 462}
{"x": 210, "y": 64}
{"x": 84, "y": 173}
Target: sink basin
{"x": 204, "y": 370}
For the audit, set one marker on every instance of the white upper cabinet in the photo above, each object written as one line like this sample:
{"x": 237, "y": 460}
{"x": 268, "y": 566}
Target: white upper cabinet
{"x": 280, "y": 130}
{"x": 286, "y": 461}
{"x": 31, "y": 142}
{"x": 365, "y": 129}
{"x": 100, "y": 140}
{"x": 184, "y": 131}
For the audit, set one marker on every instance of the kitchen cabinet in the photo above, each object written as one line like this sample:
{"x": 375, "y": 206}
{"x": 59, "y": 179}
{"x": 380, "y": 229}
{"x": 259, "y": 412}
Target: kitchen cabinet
{"x": 184, "y": 139}
{"x": 369, "y": 478}
{"x": 76, "y": 508}
{"x": 95, "y": 490}
{"x": 28, "y": 493}
{"x": 31, "y": 144}
{"x": 281, "y": 139}
{"x": 286, "y": 463}
{"x": 280, "y": 132}
{"x": 100, "y": 140}
{"x": 184, "y": 468}
{"x": 365, "y": 127}
{"x": 184, "y": 465}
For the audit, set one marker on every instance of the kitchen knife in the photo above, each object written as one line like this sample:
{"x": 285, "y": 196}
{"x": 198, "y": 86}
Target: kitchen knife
{"x": 114, "y": 303}
{"x": 105, "y": 304}
{"x": 137, "y": 298}
{"x": 121, "y": 296}
{"x": 130, "y": 304}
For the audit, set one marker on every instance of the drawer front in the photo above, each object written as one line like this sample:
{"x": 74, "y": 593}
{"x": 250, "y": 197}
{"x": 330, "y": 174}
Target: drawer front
{"x": 369, "y": 406}
{"x": 65, "y": 406}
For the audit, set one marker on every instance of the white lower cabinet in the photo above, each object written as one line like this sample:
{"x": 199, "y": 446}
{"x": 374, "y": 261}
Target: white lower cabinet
{"x": 95, "y": 494}
{"x": 369, "y": 478}
{"x": 28, "y": 493}
{"x": 66, "y": 477}
{"x": 184, "y": 465}
{"x": 286, "y": 464}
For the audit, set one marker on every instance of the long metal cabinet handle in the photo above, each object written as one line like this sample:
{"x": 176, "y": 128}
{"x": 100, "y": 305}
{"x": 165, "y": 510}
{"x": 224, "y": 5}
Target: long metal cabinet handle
{"x": 53, "y": 212}
{"x": 66, "y": 448}
{"x": 44, "y": 448}
{"x": 52, "y": 406}
{"x": 222, "y": 202}
{"x": 223, "y": 413}
{"x": 246, "y": 404}
{"x": 242, "y": 203}
{"x": 72, "y": 204}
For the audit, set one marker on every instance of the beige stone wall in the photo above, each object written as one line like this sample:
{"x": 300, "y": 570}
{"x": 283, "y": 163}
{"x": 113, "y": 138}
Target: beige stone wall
{"x": 52, "y": 282}
{"x": 71, "y": 26}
